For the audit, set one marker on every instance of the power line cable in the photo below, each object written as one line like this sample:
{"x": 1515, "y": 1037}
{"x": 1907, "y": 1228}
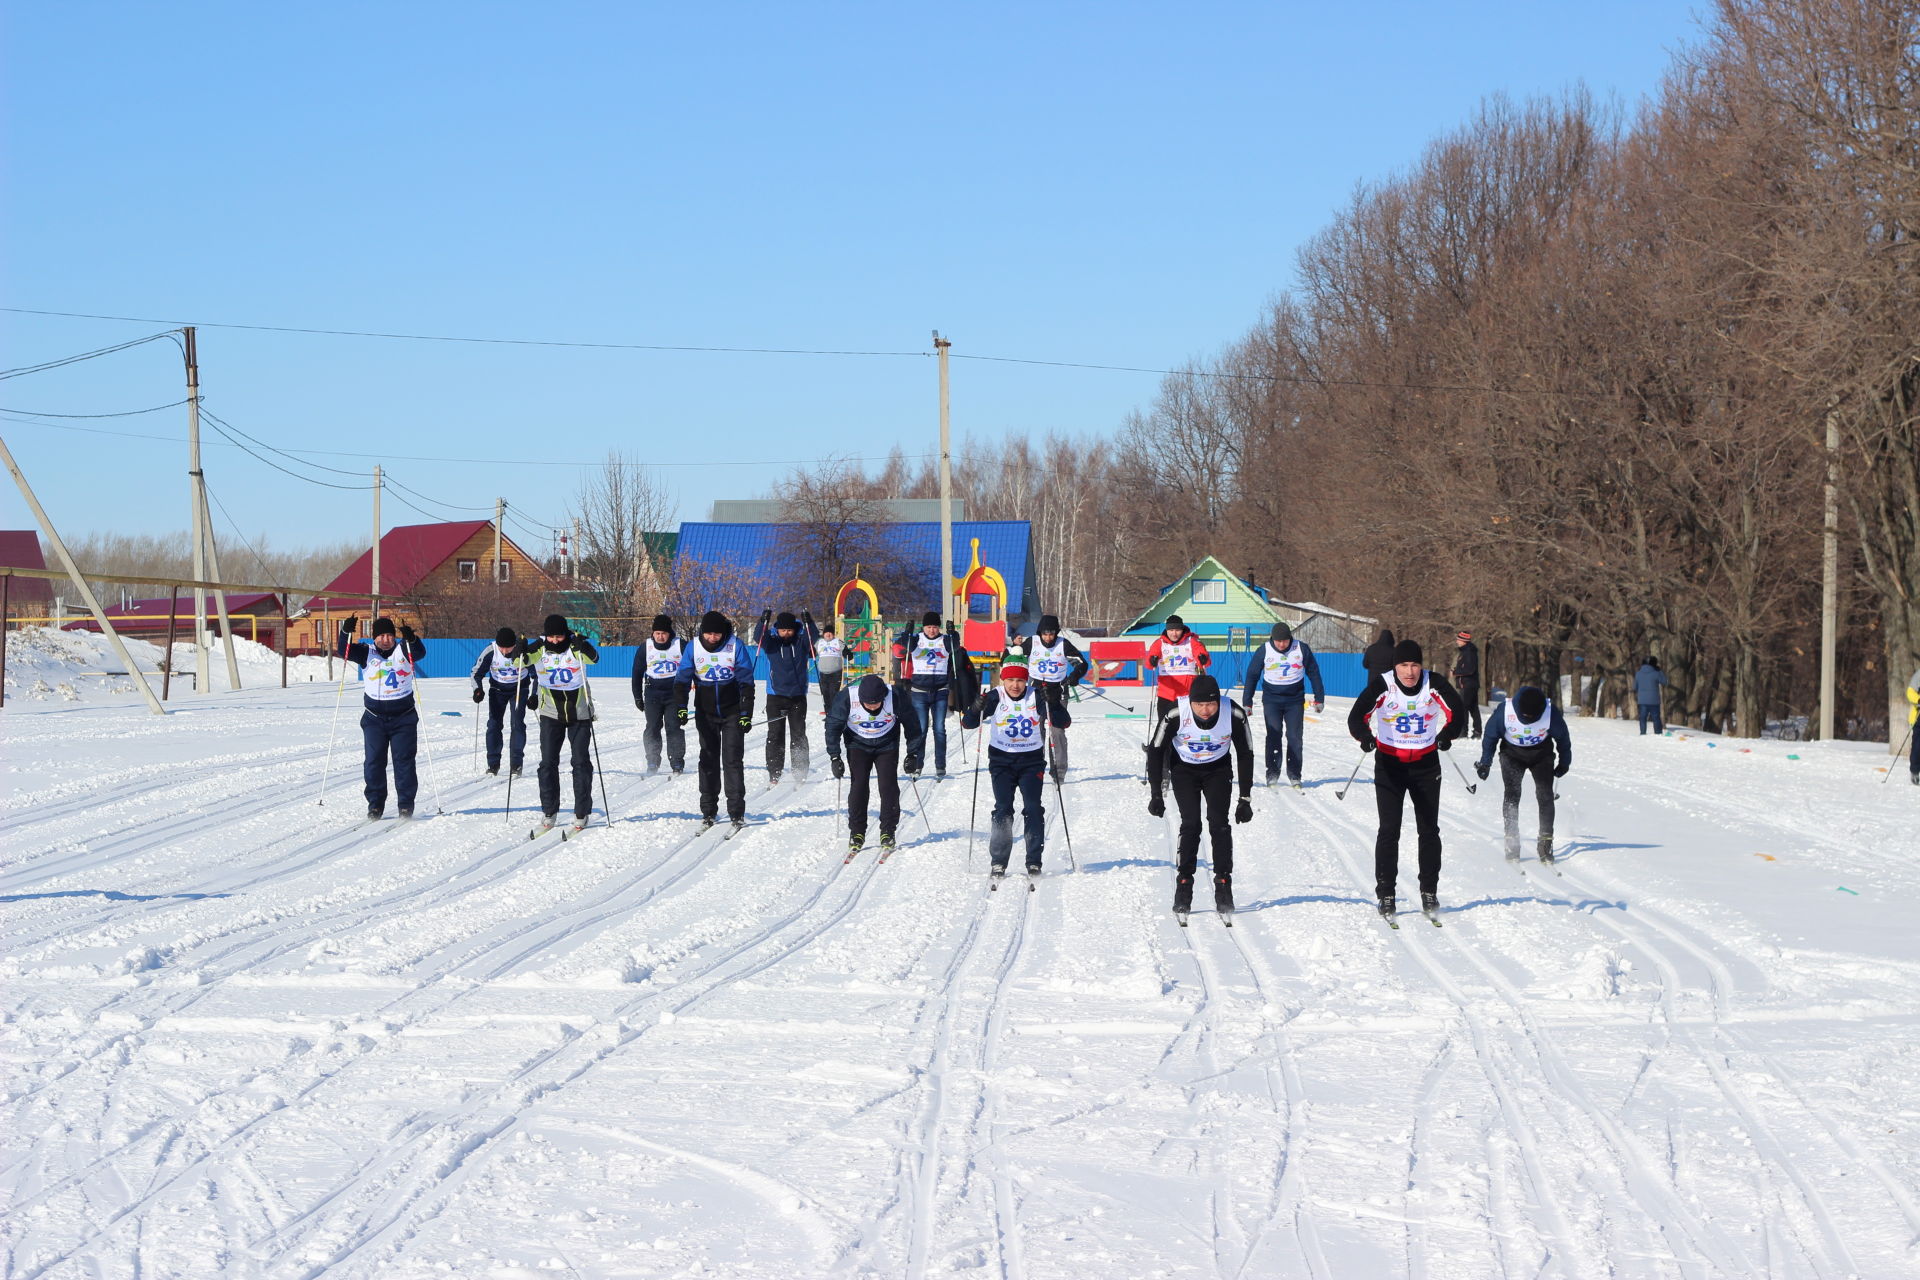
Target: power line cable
{"x": 216, "y": 419}
{"x": 260, "y": 457}
{"x": 127, "y": 413}
{"x": 45, "y": 365}
{"x": 451, "y": 506}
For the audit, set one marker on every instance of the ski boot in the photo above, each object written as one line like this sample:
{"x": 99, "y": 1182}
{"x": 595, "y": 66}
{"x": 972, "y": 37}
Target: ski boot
{"x": 1033, "y": 875}
{"x": 773, "y": 777}
{"x": 855, "y": 843}
{"x": 1546, "y": 850}
{"x": 1273, "y": 777}
{"x": 1223, "y": 899}
{"x": 404, "y": 815}
{"x": 375, "y": 812}
{"x": 515, "y": 772}
{"x": 706, "y": 824}
{"x": 1430, "y": 908}
{"x": 995, "y": 876}
{"x": 493, "y": 771}
{"x": 1182, "y": 899}
{"x": 1295, "y": 784}
{"x": 887, "y": 845}
{"x": 1388, "y": 909}
{"x": 1513, "y": 849}
{"x": 574, "y": 828}
{"x": 546, "y": 825}
{"x": 739, "y": 825}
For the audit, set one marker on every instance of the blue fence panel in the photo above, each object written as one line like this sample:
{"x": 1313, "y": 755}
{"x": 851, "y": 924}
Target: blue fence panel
{"x": 456, "y": 658}
{"x": 1343, "y": 673}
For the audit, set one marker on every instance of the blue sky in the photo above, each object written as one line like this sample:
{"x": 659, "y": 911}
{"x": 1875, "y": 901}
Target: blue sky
{"x": 1115, "y": 184}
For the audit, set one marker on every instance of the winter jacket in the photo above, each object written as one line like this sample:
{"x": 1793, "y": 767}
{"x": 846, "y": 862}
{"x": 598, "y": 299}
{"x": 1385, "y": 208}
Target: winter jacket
{"x": 1168, "y": 688}
{"x": 961, "y": 681}
{"x": 1913, "y": 700}
{"x": 568, "y": 706}
{"x": 1362, "y": 731}
{"x": 1466, "y": 662}
{"x": 1257, "y": 674}
{"x": 644, "y": 685}
{"x": 493, "y": 658}
{"x": 1377, "y": 657}
{"x": 1558, "y": 739}
{"x": 1161, "y": 756}
{"x": 786, "y": 659}
{"x": 1054, "y": 715}
{"x": 906, "y": 722}
{"x": 715, "y": 699}
{"x": 1647, "y": 682}
{"x": 357, "y": 654}
{"x": 1076, "y": 660}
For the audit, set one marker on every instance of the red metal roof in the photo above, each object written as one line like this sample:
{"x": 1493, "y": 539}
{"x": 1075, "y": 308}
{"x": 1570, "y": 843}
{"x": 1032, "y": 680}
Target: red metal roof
{"x": 408, "y": 553}
{"x": 20, "y": 548}
{"x": 142, "y": 615}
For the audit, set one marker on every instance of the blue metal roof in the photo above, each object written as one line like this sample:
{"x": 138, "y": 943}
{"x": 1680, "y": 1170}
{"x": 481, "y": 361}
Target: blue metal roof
{"x": 1005, "y": 546}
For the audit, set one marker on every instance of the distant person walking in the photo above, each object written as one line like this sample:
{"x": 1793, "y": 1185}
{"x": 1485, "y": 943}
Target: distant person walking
{"x": 830, "y": 664}
{"x": 1466, "y": 675}
{"x": 1648, "y": 681}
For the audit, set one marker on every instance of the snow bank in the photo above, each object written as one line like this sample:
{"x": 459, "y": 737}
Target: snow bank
{"x": 45, "y": 664}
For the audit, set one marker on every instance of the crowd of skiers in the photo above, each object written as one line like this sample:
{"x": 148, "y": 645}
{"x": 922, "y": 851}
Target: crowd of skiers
{"x": 1198, "y": 744}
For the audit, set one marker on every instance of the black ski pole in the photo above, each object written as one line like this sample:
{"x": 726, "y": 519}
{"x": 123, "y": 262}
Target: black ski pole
{"x": 1059, "y": 798}
{"x": 920, "y": 804}
{"x": 1341, "y": 794}
{"x": 1463, "y": 774}
{"x": 476, "y": 738}
{"x": 973, "y": 817}
{"x": 510, "y": 774}
{"x": 593, "y": 736}
{"x": 1904, "y": 738}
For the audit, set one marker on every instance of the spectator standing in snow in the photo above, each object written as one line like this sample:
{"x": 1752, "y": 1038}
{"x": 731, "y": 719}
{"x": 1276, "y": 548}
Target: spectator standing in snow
{"x": 1647, "y": 683}
{"x": 559, "y": 661}
{"x": 1466, "y": 675}
{"x": 654, "y": 669}
{"x": 1057, "y": 665}
{"x": 1407, "y": 715}
{"x": 1189, "y": 750}
{"x": 1377, "y": 657}
{"x": 501, "y": 683}
{"x": 1529, "y": 731}
{"x": 872, "y": 720}
{"x": 829, "y": 661}
{"x": 1287, "y": 667}
{"x": 390, "y": 717}
{"x": 787, "y": 645}
{"x": 716, "y": 673}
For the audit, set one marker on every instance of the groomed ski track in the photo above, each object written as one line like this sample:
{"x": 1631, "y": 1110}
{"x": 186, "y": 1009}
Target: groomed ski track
{"x": 247, "y": 1035}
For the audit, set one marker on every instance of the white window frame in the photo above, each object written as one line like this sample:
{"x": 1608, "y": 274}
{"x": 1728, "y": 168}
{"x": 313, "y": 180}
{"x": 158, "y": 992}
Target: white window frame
{"x": 469, "y": 570}
{"x": 1216, "y": 591}
{"x": 503, "y": 571}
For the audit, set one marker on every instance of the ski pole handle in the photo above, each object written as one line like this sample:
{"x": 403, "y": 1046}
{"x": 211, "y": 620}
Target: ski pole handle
{"x": 1471, "y": 788}
{"x": 1341, "y": 794}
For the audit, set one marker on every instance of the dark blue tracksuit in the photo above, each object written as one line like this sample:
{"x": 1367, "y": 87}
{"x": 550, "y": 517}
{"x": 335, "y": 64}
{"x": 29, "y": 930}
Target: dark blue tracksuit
{"x": 1285, "y": 707}
{"x": 504, "y": 698}
{"x": 389, "y": 727}
{"x": 787, "y": 662}
{"x": 1022, "y": 771}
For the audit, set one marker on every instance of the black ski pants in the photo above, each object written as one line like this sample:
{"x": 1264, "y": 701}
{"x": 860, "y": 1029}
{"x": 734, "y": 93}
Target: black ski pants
{"x": 1054, "y": 694}
{"x": 1211, "y": 786}
{"x": 723, "y": 753}
{"x": 1396, "y": 781}
{"x": 829, "y": 690}
{"x": 885, "y": 768}
{"x": 1024, "y": 772}
{"x": 577, "y": 734}
{"x": 1515, "y": 765}
{"x": 398, "y": 736}
{"x": 786, "y": 716}
{"x": 1286, "y": 716}
{"x": 1469, "y": 687}
{"x": 657, "y": 703}
{"x": 505, "y": 700}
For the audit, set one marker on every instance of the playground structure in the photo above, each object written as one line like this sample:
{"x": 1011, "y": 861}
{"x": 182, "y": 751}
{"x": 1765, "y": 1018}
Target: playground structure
{"x": 862, "y": 631}
{"x": 979, "y": 601}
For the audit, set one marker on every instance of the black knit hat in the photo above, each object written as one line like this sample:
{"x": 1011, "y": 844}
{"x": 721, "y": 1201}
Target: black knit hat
{"x": 1408, "y": 651}
{"x": 716, "y": 623}
{"x": 1176, "y": 621}
{"x": 381, "y": 627}
{"x": 661, "y": 622}
{"x": 1203, "y": 689}
{"x": 506, "y": 638}
{"x": 1530, "y": 702}
{"x": 1049, "y": 625}
{"x": 1282, "y": 633}
{"x": 786, "y": 622}
{"x": 931, "y": 618}
{"x": 873, "y": 690}
{"x": 555, "y": 625}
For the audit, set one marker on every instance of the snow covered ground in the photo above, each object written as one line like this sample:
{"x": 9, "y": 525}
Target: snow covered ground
{"x": 46, "y": 664}
{"x": 244, "y": 1037}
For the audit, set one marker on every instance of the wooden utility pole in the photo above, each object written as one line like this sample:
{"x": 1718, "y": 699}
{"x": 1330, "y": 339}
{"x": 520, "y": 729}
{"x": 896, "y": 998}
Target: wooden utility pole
{"x": 1830, "y": 579}
{"x": 80, "y": 583}
{"x": 373, "y": 593}
{"x": 173, "y": 627}
{"x": 206, "y": 558}
{"x": 940, "y": 346}
{"x": 499, "y": 514}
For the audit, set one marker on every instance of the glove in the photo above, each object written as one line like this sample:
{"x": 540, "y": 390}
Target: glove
{"x": 1559, "y": 770}
{"x": 1157, "y": 807}
{"x": 1446, "y": 744}
{"x": 1483, "y": 769}
{"x": 839, "y": 767}
{"x": 406, "y": 633}
{"x": 1366, "y": 742}
{"x": 681, "y": 715}
{"x": 479, "y": 695}
{"x": 639, "y": 704}
{"x": 1318, "y": 707}
{"x": 1243, "y": 812}
{"x": 746, "y": 721}
{"x": 351, "y": 625}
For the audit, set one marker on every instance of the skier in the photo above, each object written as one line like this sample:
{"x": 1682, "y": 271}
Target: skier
{"x": 1913, "y": 714}
{"x": 1377, "y": 657}
{"x": 1408, "y": 714}
{"x": 787, "y": 645}
{"x": 1647, "y": 683}
{"x": 1057, "y": 666}
{"x": 1466, "y": 675}
{"x": 1176, "y": 656}
{"x": 874, "y": 722}
{"x": 500, "y": 682}
{"x": 717, "y": 672}
{"x": 559, "y": 662}
{"x": 657, "y": 663}
{"x": 940, "y": 676}
{"x": 1016, "y": 761}
{"x": 829, "y": 662}
{"x": 390, "y": 718}
{"x": 1530, "y": 731}
{"x": 1189, "y": 750}
{"x": 1288, "y": 667}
